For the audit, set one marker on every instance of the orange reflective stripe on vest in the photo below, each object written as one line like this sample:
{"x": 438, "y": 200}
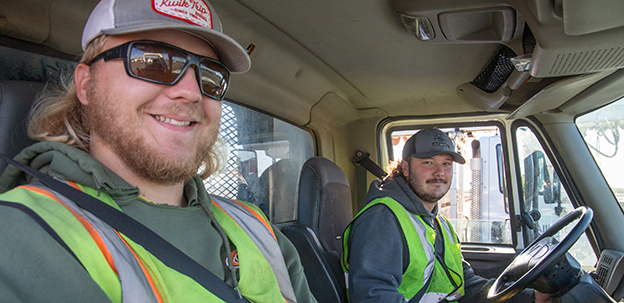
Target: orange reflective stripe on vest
{"x": 94, "y": 234}
{"x": 262, "y": 235}
{"x": 136, "y": 282}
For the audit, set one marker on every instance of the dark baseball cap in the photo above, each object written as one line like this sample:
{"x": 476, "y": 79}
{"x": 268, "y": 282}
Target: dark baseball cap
{"x": 430, "y": 142}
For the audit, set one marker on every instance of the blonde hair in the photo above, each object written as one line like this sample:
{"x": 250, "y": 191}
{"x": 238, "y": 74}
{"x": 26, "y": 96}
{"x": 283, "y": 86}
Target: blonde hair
{"x": 215, "y": 159}
{"x": 59, "y": 116}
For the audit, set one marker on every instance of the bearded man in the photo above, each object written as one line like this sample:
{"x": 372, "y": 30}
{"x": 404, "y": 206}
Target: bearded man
{"x": 399, "y": 248}
{"x": 138, "y": 122}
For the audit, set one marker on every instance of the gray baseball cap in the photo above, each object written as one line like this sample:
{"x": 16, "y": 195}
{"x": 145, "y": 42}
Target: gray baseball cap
{"x": 430, "y": 142}
{"x": 197, "y": 17}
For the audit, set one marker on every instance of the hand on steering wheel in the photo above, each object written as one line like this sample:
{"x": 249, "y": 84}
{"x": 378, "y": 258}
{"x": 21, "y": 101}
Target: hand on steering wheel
{"x": 534, "y": 260}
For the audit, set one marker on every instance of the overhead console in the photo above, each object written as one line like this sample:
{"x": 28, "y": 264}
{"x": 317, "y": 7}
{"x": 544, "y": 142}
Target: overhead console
{"x": 572, "y": 36}
{"x": 538, "y": 38}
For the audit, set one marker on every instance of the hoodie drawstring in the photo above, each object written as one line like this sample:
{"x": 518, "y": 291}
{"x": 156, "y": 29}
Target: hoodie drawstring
{"x": 228, "y": 250}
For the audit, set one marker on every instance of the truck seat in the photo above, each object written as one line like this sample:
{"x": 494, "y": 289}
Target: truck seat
{"x": 16, "y": 99}
{"x": 324, "y": 212}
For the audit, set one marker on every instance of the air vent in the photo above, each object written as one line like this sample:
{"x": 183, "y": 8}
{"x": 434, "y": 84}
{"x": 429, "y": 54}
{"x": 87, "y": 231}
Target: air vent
{"x": 610, "y": 270}
{"x": 602, "y": 273}
{"x": 497, "y": 71}
{"x": 588, "y": 61}
{"x": 607, "y": 260}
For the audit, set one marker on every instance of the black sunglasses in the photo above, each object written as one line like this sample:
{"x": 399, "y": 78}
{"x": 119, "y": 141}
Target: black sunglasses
{"x": 162, "y": 63}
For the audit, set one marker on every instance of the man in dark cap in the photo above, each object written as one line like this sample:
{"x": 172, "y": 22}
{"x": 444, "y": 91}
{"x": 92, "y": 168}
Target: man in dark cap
{"x": 399, "y": 248}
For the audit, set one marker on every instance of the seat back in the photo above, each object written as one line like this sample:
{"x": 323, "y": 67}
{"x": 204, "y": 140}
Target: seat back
{"x": 277, "y": 188}
{"x": 325, "y": 201}
{"x": 16, "y": 99}
{"x": 324, "y": 212}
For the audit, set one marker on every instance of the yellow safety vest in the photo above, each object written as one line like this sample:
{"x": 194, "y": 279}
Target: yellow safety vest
{"x": 423, "y": 264}
{"x": 127, "y": 272}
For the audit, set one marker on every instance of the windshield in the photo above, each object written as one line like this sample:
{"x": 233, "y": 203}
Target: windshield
{"x": 601, "y": 132}
{"x": 476, "y": 202}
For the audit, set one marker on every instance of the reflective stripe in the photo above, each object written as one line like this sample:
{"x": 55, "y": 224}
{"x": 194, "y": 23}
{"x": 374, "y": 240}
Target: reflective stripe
{"x": 135, "y": 286}
{"x": 454, "y": 296}
{"x": 444, "y": 224}
{"x": 432, "y": 297}
{"x": 92, "y": 232}
{"x": 260, "y": 232}
{"x": 422, "y": 235}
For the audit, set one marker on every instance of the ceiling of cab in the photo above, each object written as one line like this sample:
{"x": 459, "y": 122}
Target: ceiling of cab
{"x": 305, "y": 52}
{"x": 369, "y": 59}
{"x": 365, "y": 45}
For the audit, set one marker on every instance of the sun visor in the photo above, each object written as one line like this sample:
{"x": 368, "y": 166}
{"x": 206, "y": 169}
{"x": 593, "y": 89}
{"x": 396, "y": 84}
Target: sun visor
{"x": 25, "y": 20}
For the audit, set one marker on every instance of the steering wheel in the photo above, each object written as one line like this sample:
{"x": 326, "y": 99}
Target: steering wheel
{"x": 534, "y": 260}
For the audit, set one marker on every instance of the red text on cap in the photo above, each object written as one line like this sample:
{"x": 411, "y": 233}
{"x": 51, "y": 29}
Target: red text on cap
{"x": 192, "y": 11}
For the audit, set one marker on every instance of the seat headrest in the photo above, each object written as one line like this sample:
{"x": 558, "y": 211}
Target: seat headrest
{"x": 16, "y": 99}
{"x": 325, "y": 201}
{"x": 278, "y": 186}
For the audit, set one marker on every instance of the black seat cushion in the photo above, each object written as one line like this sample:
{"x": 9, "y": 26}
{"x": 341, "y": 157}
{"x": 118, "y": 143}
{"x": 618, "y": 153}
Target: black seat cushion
{"x": 325, "y": 201}
{"x": 16, "y": 99}
{"x": 324, "y": 212}
{"x": 322, "y": 269}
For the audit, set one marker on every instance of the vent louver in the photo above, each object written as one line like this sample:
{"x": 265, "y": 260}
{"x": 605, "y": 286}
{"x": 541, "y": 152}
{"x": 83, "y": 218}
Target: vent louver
{"x": 588, "y": 61}
{"x": 602, "y": 273}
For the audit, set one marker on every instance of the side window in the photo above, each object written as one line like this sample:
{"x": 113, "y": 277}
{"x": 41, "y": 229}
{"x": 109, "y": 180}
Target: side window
{"x": 601, "y": 132}
{"x": 264, "y": 160}
{"x": 544, "y": 199}
{"x": 476, "y": 203}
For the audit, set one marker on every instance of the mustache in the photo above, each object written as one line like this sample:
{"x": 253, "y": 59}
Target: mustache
{"x": 174, "y": 108}
{"x": 437, "y": 180}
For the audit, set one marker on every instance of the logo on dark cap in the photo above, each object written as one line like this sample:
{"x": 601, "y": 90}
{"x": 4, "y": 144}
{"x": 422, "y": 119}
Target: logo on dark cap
{"x": 439, "y": 140}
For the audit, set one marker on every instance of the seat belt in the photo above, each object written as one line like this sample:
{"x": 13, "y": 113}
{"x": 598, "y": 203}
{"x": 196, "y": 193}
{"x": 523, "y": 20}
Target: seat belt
{"x": 139, "y": 233}
{"x": 363, "y": 164}
{"x": 363, "y": 159}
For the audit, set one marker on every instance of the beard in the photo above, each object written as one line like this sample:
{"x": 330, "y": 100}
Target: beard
{"x": 118, "y": 130}
{"x": 416, "y": 185}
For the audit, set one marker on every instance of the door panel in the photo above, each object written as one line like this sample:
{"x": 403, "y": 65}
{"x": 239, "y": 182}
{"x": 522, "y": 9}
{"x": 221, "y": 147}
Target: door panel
{"x": 488, "y": 261}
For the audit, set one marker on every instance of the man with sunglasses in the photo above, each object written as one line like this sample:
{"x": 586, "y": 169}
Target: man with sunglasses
{"x": 399, "y": 248}
{"x": 131, "y": 132}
